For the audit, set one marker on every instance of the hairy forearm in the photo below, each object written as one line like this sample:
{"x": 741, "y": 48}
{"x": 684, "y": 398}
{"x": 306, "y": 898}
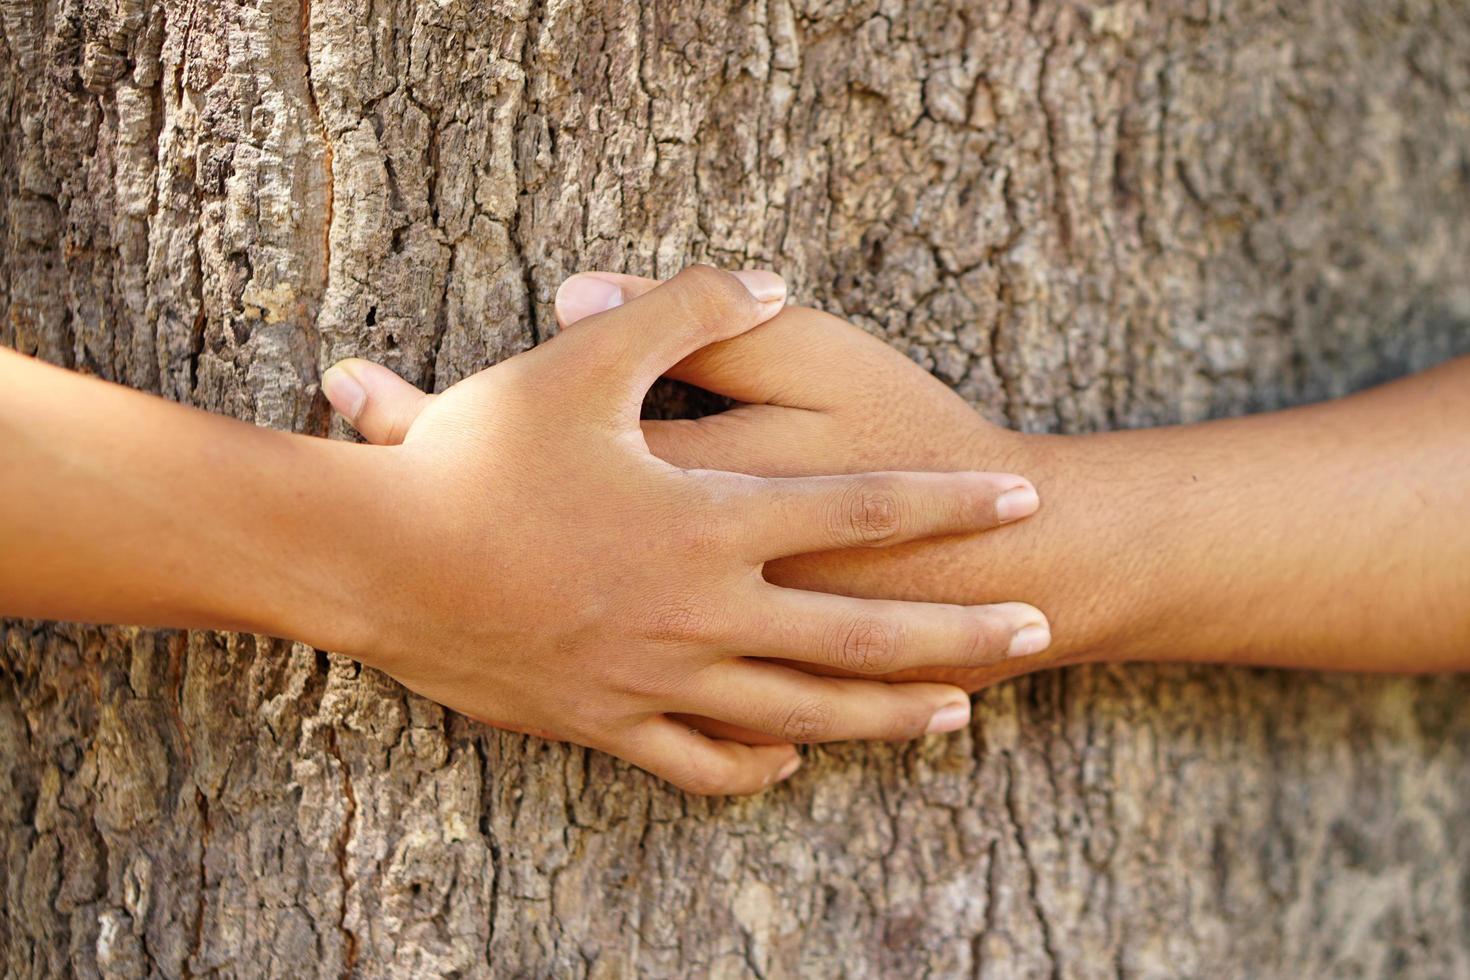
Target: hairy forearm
{"x": 116, "y": 506}
{"x": 1336, "y": 535}
{"x": 1332, "y": 536}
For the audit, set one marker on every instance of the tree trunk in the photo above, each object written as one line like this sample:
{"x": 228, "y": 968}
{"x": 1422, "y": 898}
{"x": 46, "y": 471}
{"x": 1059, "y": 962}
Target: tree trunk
{"x": 1081, "y": 215}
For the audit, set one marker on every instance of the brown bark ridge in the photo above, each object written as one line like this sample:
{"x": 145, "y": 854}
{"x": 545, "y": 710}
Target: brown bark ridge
{"x": 1082, "y": 215}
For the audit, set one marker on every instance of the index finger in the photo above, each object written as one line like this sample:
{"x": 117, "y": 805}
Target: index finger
{"x": 785, "y": 516}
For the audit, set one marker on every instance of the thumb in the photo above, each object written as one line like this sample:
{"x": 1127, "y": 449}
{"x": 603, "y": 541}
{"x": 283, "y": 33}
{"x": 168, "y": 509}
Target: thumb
{"x": 378, "y": 403}
{"x": 589, "y": 293}
{"x": 791, "y": 360}
{"x": 620, "y": 350}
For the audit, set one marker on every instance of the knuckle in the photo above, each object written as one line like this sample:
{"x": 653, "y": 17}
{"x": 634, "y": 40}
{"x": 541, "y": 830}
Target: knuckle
{"x": 703, "y": 537}
{"x": 705, "y": 778}
{"x": 680, "y": 619}
{"x": 988, "y": 635}
{"x": 641, "y": 682}
{"x": 712, "y": 298}
{"x": 985, "y": 639}
{"x": 975, "y": 650}
{"x": 866, "y": 646}
{"x": 584, "y": 720}
{"x": 626, "y": 669}
{"x": 809, "y": 720}
{"x": 908, "y": 721}
{"x": 868, "y": 513}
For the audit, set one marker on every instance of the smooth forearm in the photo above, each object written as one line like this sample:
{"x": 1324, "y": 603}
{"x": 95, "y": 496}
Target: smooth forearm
{"x": 1334, "y": 536}
{"x": 116, "y": 506}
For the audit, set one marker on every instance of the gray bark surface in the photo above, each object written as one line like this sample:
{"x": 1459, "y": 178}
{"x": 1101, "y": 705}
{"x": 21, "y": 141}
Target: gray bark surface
{"x": 1081, "y": 215}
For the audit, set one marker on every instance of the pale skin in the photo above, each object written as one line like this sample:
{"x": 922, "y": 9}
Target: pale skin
{"x": 1334, "y": 536}
{"x": 517, "y": 553}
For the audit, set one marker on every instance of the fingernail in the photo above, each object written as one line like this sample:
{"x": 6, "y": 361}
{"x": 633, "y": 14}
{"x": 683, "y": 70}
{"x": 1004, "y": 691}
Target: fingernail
{"x": 790, "y": 767}
{"x": 1028, "y": 640}
{"x": 766, "y": 287}
{"x": 343, "y": 391}
{"x": 950, "y": 718}
{"x": 1016, "y": 504}
{"x": 583, "y": 295}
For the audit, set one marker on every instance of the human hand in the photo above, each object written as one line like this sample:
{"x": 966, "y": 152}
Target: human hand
{"x": 820, "y": 396}
{"x": 558, "y": 578}
{"x": 1154, "y": 545}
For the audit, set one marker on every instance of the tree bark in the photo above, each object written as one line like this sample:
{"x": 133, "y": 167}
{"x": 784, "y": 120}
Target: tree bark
{"x": 1081, "y": 215}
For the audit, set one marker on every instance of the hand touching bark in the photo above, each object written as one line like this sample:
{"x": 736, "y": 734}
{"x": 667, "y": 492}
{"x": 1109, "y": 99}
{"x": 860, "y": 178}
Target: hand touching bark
{"x": 560, "y": 579}
{"x": 1333, "y": 536}
{"x": 820, "y": 396}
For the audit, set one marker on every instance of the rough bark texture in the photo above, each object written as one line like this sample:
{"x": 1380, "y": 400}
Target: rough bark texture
{"x": 1081, "y": 215}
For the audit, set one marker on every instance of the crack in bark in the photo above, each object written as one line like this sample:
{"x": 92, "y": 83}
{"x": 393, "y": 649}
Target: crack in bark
{"x": 1060, "y": 205}
{"x": 1032, "y": 875}
{"x": 329, "y": 190}
{"x": 341, "y": 845}
{"x": 529, "y": 109}
{"x": 196, "y": 943}
{"x": 992, "y": 897}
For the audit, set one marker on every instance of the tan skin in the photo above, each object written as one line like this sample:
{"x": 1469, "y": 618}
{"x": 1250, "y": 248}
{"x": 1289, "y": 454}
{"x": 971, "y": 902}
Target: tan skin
{"x": 517, "y": 554}
{"x": 1335, "y": 536}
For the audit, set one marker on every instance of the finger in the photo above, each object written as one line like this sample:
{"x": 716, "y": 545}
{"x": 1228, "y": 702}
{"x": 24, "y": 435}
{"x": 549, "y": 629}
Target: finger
{"x": 378, "y": 403}
{"x": 879, "y": 636}
{"x": 724, "y": 729}
{"x": 788, "y": 361}
{"x": 590, "y": 293}
{"x": 753, "y": 439}
{"x": 794, "y": 515}
{"x": 709, "y": 767}
{"x": 796, "y": 707}
{"x": 629, "y": 345}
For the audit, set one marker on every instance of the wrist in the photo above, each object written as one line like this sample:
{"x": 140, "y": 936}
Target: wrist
{"x": 1088, "y": 558}
{"x": 324, "y": 562}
